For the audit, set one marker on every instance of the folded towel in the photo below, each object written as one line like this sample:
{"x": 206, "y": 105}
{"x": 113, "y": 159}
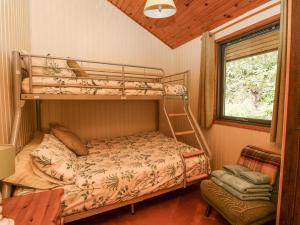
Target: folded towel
{"x": 244, "y": 197}
{"x": 255, "y": 177}
{"x": 235, "y": 169}
{"x": 239, "y": 184}
{"x": 219, "y": 173}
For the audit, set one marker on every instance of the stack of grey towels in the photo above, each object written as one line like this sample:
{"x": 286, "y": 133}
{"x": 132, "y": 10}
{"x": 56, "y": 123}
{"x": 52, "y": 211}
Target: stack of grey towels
{"x": 243, "y": 183}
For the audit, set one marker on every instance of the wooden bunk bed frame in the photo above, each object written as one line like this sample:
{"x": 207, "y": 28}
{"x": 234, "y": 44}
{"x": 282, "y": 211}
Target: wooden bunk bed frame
{"x": 121, "y": 74}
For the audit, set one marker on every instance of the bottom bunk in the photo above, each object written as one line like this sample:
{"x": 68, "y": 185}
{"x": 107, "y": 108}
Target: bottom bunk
{"x": 116, "y": 172}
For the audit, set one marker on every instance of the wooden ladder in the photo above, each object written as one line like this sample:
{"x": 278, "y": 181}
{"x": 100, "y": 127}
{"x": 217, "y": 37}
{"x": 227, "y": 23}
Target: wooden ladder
{"x": 194, "y": 130}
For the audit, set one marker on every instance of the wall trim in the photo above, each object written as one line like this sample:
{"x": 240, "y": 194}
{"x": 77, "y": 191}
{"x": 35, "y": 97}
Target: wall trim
{"x": 249, "y": 28}
{"x": 242, "y": 126}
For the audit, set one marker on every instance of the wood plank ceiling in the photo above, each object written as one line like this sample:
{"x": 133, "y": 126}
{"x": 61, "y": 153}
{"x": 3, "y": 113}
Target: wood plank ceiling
{"x": 193, "y": 17}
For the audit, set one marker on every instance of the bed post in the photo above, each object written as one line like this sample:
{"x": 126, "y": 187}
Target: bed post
{"x": 38, "y": 115}
{"x": 18, "y": 104}
{"x": 132, "y": 209}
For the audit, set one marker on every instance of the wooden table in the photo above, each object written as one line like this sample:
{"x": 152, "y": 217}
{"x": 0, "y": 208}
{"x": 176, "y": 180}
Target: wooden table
{"x": 42, "y": 208}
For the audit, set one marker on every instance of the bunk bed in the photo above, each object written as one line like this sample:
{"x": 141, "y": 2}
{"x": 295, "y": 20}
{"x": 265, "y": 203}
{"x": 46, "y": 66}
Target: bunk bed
{"x": 171, "y": 163}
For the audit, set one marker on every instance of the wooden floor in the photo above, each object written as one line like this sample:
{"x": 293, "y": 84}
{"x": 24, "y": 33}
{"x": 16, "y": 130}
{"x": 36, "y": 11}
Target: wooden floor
{"x": 182, "y": 207}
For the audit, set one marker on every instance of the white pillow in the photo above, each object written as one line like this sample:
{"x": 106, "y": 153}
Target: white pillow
{"x": 54, "y": 69}
{"x": 55, "y": 65}
{"x": 54, "y": 159}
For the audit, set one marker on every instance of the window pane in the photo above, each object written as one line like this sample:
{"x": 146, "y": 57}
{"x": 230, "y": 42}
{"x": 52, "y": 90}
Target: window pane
{"x": 249, "y": 86}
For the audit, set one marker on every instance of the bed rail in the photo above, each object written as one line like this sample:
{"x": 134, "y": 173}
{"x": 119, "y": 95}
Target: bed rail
{"x": 30, "y": 65}
{"x": 177, "y": 79}
{"x": 48, "y": 67}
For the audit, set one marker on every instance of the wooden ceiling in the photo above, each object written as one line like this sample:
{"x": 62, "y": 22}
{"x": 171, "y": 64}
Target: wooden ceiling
{"x": 193, "y": 17}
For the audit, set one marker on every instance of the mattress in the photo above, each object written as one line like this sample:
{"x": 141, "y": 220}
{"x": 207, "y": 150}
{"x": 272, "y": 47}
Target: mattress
{"x": 78, "y": 86}
{"x": 124, "y": 168}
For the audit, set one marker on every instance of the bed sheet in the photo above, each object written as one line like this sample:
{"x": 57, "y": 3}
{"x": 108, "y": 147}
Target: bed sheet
{"x": 46, "y": 85}
{"x": 124, "y": 168}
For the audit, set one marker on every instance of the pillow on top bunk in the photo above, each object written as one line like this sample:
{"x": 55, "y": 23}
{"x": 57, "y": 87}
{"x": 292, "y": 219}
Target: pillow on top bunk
{"x": 54, "y": 159}
{"x": 74, "y": 64}
{"x": 52, "y": 67}
{"x": 68, "y": 138}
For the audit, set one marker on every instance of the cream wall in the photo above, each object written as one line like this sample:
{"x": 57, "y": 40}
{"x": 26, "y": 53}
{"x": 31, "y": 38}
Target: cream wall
{"x": 224, "y": 141}
{"x": 14, "y": 35}
{"x": 93, "y": 29}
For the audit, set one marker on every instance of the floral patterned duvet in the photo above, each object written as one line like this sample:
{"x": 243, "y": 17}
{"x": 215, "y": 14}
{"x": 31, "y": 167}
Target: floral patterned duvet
{"x": 124, "y": 168}
{"x": 46, "y": 85}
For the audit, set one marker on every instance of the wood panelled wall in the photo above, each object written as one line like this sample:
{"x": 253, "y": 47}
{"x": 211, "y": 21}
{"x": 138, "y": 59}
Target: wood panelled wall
{"x": 223, "y": 141}
{"x": 14, "y": 35}
{"x": 101, "y": 119}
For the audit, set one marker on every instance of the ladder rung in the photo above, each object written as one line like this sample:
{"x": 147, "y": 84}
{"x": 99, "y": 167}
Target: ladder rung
{"x": 177, "y": 114}
{"x": 199, "y": 177}
{"x": 192, "y": 154}
{"x": 181, "y": 133}
{"x": 174, "y": 96}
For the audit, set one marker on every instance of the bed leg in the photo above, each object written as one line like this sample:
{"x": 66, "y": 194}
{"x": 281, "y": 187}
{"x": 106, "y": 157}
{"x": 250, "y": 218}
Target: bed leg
{"x": 132, "y": 209}
{"x": 208, "y": 210}
{"x": 6, "y": 190}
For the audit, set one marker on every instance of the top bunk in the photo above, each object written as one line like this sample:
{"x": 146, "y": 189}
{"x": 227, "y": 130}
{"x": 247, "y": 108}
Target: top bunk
{"x": 38, "y": 77}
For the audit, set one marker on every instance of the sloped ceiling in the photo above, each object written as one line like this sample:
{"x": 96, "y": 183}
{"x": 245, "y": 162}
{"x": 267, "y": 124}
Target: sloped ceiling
{"x": 193, "y": 17}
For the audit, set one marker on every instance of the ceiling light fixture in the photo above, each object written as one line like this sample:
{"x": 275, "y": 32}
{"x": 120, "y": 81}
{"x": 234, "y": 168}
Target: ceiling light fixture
{"x": 159, "y": 8}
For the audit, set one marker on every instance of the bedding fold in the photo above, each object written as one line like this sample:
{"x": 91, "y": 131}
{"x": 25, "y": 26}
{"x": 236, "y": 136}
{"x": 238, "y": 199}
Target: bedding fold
{"x": 242, "y": 196}
{"x": 25, "y": 175}
{"x": 235, "y": 169}
{"x": 239, "y": 184}
{"x": 255, "y": 177}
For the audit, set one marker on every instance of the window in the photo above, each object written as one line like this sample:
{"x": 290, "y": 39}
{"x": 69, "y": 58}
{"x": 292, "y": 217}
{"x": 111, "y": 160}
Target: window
{"x": 247, "y": 76}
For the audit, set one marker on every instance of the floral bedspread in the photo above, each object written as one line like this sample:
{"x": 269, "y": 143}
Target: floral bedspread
{"x": 124, "y": 168}
{"x": 46, "y": 85}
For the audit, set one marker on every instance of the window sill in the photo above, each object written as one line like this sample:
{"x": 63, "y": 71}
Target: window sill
{"x": 243, "y": 126}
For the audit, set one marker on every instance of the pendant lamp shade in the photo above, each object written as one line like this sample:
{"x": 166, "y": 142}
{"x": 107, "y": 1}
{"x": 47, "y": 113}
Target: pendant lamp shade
{"x": 159, "y": 8}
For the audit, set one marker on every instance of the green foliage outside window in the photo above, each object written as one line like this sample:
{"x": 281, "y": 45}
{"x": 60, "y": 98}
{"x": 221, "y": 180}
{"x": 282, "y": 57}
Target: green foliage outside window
{"x": 250, "y": 86}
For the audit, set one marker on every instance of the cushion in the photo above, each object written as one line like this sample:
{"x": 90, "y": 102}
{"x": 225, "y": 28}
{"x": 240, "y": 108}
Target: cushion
{"x": 24, "y": 174}
{"x": 54, "y": 159}
{"x": 260, "y": 160}
{"x": 235, "y": 210}
{"x": 43, "y": 208}
{"x": 71, "y": 140}
{"x": 74, "y": 64}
